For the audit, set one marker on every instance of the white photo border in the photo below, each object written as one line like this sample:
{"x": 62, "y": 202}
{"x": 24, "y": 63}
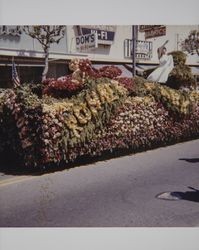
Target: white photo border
{"x": 125, "y": 12}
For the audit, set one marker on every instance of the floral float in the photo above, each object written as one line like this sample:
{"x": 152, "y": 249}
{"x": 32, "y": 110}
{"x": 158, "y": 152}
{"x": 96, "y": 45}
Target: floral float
{"x": 92, "y": 112}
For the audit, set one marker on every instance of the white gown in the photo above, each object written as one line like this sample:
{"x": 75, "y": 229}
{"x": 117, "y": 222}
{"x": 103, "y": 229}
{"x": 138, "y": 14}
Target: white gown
{"x": 162, "y": 72}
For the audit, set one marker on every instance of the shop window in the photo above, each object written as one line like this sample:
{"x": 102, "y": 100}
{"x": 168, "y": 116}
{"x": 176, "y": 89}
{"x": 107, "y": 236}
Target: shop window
{"x": 27, "y": 74}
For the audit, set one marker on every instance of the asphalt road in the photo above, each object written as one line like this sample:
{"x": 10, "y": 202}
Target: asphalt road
{"x": 120, "y": 192}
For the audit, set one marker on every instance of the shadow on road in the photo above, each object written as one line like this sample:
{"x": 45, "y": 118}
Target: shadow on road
{"x": 191, "y": 160}
{"x": 13, "y": 166}
{"x": 10, "y": 164}
{"x": 188, "y": 195}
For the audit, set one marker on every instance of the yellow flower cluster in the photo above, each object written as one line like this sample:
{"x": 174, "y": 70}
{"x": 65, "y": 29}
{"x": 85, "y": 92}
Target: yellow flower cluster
{"x": 79, "y": 114}
{"x": 194, "y": 96}
{"x": 93, "y": 102}
{"x": 150, "y": 85}
{"x": 171, "y": 97}
{"x": 57, "y": 107}
{"x": 176, "y": 99}
{"x": 82, "y": 113}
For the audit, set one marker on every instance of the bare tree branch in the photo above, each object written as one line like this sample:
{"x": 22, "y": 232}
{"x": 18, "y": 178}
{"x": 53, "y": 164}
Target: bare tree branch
{"x": 45, "y": 35}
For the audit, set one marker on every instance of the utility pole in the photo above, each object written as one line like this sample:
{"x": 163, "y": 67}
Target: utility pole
{"x": 177, "y": 36}
{"x": 133, "y": 51}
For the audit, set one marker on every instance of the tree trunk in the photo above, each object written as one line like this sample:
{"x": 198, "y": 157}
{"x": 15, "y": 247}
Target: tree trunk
{"x": 45, "y": 71}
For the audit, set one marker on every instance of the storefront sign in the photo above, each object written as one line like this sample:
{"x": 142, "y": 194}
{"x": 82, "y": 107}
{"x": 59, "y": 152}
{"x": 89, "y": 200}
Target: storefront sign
{"x": 105, "y": 33}
{"x": 143, "y": 28}
{"x": 143, "y": 49}
{"x": 10, "y": 30}
{"x": 86, "y": 42}
{"x": 155, "y": 32}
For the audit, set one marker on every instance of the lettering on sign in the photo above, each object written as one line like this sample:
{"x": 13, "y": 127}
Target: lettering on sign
{"x": 105, "y": 33}
{"x": 143, "y": 28}
{"x": 10, "y": 30}
{"x": 86, "y": 42}
{"x": 160, "y": 31}
{"x": 100, "y": 27}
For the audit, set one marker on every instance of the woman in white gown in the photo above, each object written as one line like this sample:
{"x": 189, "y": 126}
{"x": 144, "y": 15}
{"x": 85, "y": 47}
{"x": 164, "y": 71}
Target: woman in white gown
{"x": 166, "y": 65}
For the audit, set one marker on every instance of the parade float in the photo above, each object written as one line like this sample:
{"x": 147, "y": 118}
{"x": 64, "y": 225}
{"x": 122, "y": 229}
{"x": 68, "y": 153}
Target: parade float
{"x": 93, "y": 112}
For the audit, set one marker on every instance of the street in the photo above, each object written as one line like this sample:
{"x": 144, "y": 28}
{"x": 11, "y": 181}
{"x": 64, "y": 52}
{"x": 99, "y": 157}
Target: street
{"x": 120, "y": 192}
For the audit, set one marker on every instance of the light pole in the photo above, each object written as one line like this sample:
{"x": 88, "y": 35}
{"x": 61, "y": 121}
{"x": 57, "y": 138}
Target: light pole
{"x": 133, "y": 51}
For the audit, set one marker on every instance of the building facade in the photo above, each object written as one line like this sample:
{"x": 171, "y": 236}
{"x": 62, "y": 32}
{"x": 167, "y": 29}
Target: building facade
{"x": 112, "y": 46}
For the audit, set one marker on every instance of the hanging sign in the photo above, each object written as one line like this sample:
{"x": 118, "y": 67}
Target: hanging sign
{"x": 143, "y": 49}
{"x": 105, "y": 33}
{"x": 155, "y": 32}
{"x": 86, "y": 42}
{"x": 143, "y": 28}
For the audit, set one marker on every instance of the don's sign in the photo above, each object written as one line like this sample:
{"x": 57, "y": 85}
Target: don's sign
{"x": 86, "y": 42}
{"x": 105, "y": 33}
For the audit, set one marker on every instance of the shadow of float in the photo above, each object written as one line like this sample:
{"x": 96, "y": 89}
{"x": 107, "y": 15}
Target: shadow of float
{"x": 191, "y": 160}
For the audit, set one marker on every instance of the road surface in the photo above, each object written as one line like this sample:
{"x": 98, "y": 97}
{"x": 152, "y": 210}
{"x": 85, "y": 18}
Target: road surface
{"x": 121, "y": 192}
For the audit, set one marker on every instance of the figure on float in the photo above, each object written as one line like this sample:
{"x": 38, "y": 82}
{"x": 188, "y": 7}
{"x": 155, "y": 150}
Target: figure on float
{"x": 166, "y": 65}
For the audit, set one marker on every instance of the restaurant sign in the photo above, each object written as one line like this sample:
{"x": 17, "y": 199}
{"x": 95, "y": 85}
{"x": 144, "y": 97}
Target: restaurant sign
{"x": 86, "y": 42}
{"x": 152, "y": 31}
{"x": 105, "y": 33}
{"x": 155, "y": 32}
{"x": 143, "y": 49}
{"x": 143, "y": 28}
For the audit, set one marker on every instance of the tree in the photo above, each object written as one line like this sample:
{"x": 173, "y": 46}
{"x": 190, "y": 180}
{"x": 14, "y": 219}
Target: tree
{"x": 45, "y": 35}
{"x": 191, "y": 44}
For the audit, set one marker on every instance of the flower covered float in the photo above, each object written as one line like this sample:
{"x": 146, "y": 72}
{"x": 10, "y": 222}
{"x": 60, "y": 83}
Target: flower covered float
{"x": 91, "y": 112}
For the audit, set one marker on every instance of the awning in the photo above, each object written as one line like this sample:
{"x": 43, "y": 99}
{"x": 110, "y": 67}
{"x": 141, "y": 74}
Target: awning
{"x": 22, "y": 65}
{"x": 146, "y": 67}
{"x": 140, "y": 68}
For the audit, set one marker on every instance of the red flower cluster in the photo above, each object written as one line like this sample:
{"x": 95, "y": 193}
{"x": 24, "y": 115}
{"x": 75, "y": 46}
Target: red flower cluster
{"x": 106, "y": 71}
{"x": 110, "y": 72}
{"x": 85, "y": 65}
{"x": 62, "y": 87}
